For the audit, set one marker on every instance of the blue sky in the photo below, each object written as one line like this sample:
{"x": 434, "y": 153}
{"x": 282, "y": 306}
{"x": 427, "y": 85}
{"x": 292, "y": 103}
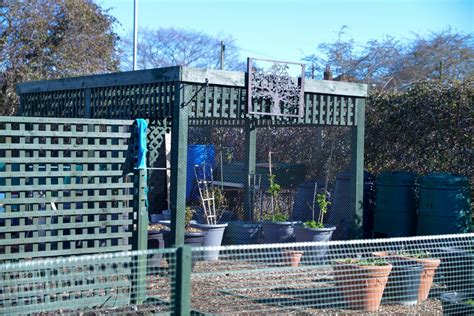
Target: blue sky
{"x": 290, "y": 30}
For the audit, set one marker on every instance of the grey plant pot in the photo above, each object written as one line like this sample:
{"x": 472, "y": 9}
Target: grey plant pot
{"x": 403, "y": 282}
{"x": 314, "y": 254}
{"x": 212, "y": 238}
{"x": 279, "y": 232}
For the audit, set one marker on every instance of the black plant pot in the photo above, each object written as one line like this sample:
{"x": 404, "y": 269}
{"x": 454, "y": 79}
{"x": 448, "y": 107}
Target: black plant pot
{"x": 403, "y": 282}
{"x": 194, "y": 239}
{"x": 456, "y": 270}
{"x": 155, "y": 241}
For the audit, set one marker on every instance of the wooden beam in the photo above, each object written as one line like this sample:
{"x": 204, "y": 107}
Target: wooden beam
{"x": 182, "y": 74}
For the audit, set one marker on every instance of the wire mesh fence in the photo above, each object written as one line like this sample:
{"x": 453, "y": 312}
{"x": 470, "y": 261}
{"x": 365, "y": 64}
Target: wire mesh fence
{"x": 300, "y": 161}
{"x": 106, "y": 283}
{"x": 416, "y": 275}
{"x": 427, "y": 275}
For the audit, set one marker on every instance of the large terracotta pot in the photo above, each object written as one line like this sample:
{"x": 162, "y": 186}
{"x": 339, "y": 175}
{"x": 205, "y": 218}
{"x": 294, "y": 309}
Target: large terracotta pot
{"x": 427, "y": 275}
{"x": 361, "y": 285}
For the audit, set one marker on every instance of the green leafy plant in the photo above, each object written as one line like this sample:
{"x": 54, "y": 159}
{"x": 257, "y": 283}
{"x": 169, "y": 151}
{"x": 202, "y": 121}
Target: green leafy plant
{"x": 274, "y": 189}
{"x": 469, "y": 302}
{"x": 363, "y": 262}
{"x": 188, "y": 216}
{"x": 416, "y": 255}
{"x": 323, "y": 204}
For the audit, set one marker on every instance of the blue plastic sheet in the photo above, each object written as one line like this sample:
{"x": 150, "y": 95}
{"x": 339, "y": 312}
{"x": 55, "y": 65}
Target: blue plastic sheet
{"x": 141, "y": 133}
{"x": 197, "y": 155}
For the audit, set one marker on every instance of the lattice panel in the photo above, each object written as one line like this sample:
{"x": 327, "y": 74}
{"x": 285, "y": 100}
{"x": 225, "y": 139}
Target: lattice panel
{"x": 155, "y": 101}
{"x": 229, "y": 103}
{"x": 66, "y": 187}
{"x": 157, "y": 178}
{"x": 134, "y": 101}
{"x": 61, "y": 103}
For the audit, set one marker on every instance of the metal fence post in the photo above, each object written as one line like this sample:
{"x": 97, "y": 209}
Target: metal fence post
{"x": 182, "y": 281}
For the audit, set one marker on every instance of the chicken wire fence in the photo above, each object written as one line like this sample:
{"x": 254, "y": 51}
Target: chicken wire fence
{"x": 411, "y": 275}
{"x": 414, "y": 275}
{"x": 304, "y": 161}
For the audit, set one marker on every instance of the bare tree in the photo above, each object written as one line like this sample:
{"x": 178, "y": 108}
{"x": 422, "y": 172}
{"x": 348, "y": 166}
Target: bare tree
{"x": 165, "y": 47}
{"x": 391, "y": 65}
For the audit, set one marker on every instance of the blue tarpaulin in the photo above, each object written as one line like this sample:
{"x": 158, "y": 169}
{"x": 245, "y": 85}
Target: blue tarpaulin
{"x": 197, "y": 155}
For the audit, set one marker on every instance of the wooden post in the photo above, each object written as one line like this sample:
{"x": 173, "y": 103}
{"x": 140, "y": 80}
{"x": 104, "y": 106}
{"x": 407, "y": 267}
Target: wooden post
{"x": 182, "y": 281}
{"x": 357, "y": 169}
{"x": 140, "y": 238}
{"x": 179, "y": 152}
{"x": 250, "y": 152}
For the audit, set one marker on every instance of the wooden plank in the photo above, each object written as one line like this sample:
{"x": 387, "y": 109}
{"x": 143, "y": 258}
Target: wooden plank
{"x": 66, "y": 212}
{"x": 70, "y": 174}
{"x": 65, "y": 252}
{"x": 77, "y": 225}
{"x": 66, "y": 199}
{"x": 65, "y": 238}
{"x": 157, "y": 75}
{"x": 66, "y": 187}
{"x": 54, "y": 147}
{"x": 54, "y": 121}
{"x": 63, "y": 134}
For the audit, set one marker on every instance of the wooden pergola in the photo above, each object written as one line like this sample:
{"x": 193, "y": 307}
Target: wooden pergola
{"x": 175, "y": 98}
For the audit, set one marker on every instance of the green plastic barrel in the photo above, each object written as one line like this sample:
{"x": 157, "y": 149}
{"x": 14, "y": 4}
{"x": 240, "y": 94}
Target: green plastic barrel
{"x": 445, "y": 204}
{"x": 395, "y": 204}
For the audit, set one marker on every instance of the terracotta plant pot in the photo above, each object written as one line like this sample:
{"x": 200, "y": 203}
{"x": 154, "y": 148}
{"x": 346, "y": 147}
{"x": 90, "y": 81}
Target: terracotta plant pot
{"x": 362, "y": 285}
{"x": 427, "y": 275}
{"x": 429, "y": 269}
{"x": 292, "y": 257}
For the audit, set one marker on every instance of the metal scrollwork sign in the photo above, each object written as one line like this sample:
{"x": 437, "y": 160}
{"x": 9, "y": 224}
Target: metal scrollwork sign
{"x": 272, "y": 91}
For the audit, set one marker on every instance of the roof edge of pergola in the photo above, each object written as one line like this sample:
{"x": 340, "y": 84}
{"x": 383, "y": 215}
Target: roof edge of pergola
{"x": 180, "y": 74}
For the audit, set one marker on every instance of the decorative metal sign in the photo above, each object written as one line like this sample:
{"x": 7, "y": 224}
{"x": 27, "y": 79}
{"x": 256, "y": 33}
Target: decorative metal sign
{"x": 272, "y": 91}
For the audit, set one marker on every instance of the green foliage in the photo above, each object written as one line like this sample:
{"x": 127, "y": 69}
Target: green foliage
{"x": 323, "y": 204}
{"x": 47, "y": 39}
{"x": 188, "y": 216}
{"x": 415, "y": 254}
{"x": 364, "y": 262}
{"x": 313, "y": 224}
{"x": 424, "y": 129}
{"x": 469, "y": 302}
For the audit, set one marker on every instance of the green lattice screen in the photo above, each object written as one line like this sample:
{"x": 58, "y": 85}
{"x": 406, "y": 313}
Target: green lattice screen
{"x": 66, "y": 185}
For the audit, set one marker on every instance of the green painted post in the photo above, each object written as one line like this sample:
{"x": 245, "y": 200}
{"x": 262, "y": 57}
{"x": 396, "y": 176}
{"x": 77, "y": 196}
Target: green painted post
{"x": 179, "y": 152}
{"x": 140, "y": 238}
{"x": 357, "y": 169}
{"x": 182, "y": 281}
{"x": 250, "y": 152}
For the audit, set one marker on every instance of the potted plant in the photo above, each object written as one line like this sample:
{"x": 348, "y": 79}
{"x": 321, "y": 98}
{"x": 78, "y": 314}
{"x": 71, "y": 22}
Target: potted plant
{"x": 428, "y": 263}
{"x": 275, "y": 226}
{"x": 315, "y": 230}
{"x": 192, "y": 236}
{"x": 214, "y": 204}
{"x": 362, "y": 281}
